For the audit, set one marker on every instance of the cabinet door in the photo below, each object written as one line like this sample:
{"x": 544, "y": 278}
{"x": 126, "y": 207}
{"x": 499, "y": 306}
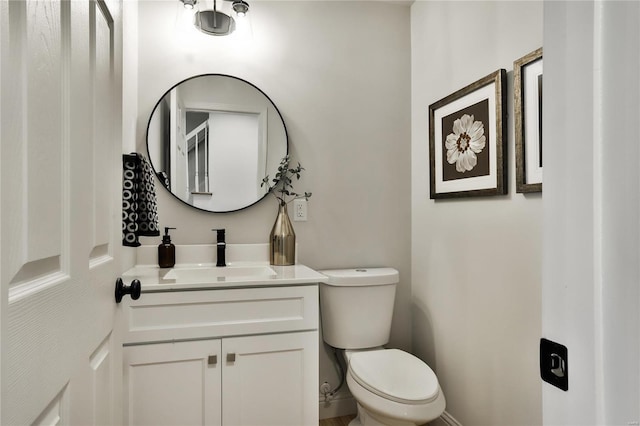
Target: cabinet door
{"x": 270, "y": 380}
{"x": 173, "y": 383}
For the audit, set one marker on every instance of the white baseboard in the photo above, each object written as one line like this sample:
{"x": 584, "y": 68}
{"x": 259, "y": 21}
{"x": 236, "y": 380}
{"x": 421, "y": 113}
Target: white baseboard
{"x": 340, "y": 405}
{"x": 445, "y": 419}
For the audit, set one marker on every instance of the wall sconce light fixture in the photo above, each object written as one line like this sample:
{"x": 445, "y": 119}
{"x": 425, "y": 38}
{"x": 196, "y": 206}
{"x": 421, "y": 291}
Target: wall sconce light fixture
{"x": 215, "y": 22}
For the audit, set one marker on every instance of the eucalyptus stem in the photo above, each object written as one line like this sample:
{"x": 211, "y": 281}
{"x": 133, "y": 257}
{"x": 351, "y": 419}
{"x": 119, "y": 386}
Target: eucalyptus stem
{"x": 283, "y": 182}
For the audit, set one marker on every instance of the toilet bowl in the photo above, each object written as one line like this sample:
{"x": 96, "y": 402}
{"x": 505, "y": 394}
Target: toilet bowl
{"x": 391, "y": 387}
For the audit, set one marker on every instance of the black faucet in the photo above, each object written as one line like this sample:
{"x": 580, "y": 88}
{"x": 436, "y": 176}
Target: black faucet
{"x": 221, "y": 246}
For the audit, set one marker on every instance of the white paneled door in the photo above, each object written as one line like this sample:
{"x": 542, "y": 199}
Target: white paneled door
{"x": 60, "y": 176}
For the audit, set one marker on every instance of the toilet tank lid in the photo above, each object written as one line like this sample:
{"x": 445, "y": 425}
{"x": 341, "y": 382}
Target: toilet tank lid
{"x": 360, "y": 276}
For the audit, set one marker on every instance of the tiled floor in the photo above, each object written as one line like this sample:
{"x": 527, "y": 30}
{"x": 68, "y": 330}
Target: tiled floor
{"x": 337, "y": 421}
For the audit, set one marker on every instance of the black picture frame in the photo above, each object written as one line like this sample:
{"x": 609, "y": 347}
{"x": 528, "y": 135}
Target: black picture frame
{"x": 527, "y": 107}
{"x": 468, "y": 140}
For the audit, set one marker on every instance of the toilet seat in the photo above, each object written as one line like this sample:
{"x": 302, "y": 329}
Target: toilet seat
{"x": 394, "y": 375}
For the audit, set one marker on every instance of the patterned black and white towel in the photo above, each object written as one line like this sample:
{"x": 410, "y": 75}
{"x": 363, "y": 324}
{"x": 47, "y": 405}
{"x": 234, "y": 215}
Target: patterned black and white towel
{"x": 139, "y": 204}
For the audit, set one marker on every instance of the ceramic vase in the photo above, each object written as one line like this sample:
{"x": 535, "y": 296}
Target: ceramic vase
{"x": 282, "y": 240}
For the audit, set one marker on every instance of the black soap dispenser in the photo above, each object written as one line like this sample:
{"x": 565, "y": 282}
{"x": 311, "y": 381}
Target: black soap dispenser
{"x": 166, "y": 251}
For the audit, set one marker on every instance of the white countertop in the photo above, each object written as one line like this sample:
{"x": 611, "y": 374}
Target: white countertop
{"x": 152, "y": 278}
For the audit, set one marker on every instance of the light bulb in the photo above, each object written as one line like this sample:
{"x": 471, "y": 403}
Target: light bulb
{"x": 189, "y": 4}
{"x": 241, "y": 7}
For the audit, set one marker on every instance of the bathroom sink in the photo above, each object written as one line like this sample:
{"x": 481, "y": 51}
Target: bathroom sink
{"x": 213, "y": 273}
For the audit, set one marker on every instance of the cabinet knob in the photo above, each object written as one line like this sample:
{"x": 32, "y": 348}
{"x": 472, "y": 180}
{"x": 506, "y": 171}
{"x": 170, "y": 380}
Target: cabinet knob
{"x": 133, "y": 289}
{"x": 213, "y": 359}
{"x": 231, "y": 357}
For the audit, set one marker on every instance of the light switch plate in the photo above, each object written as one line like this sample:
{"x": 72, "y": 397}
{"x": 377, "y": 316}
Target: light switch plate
{"x": 554, "y": 364}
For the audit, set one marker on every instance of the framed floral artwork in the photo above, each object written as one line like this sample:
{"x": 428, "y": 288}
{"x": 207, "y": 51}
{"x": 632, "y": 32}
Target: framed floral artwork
{"x": 467, "y": 140}
{"x": 527, "y": 106}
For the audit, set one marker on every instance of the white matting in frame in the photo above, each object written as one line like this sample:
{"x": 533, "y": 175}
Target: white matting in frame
{"x": 470, "y": 183}
{"x": 532, "y": 153}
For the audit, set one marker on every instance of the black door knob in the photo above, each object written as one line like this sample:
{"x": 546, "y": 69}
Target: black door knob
{"x": 133, "y": 289}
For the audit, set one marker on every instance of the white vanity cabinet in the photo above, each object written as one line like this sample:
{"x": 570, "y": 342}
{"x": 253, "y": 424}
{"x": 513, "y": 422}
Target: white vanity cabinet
{"x": 232, "y": 357}
{"x": 173, "y": 384}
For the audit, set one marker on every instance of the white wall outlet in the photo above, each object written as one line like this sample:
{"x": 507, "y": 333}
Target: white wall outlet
{"x": 299, "y": 210}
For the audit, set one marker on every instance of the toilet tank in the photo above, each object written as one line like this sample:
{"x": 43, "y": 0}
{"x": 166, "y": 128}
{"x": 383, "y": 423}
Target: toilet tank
{"x": 356, "y": 306}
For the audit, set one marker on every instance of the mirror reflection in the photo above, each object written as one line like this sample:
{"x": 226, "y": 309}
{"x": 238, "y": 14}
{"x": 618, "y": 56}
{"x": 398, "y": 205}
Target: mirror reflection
{"x": 212, "y": 139}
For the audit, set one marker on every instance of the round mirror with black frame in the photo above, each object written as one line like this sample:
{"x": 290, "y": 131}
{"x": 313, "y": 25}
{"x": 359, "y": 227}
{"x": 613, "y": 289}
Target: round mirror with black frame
{"x": 211, "y": 140}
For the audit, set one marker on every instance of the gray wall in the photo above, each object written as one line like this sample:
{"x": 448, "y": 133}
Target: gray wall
{"x": 476, "y": 263}
{"x": 340, "y": 76}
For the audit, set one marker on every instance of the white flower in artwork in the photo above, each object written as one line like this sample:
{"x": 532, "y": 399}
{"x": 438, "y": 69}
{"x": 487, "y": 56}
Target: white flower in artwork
{"x": 465, "y": 142}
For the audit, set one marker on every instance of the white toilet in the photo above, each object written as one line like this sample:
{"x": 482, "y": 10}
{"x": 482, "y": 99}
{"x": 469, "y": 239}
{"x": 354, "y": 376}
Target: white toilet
{"x": 391, "y": 387}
